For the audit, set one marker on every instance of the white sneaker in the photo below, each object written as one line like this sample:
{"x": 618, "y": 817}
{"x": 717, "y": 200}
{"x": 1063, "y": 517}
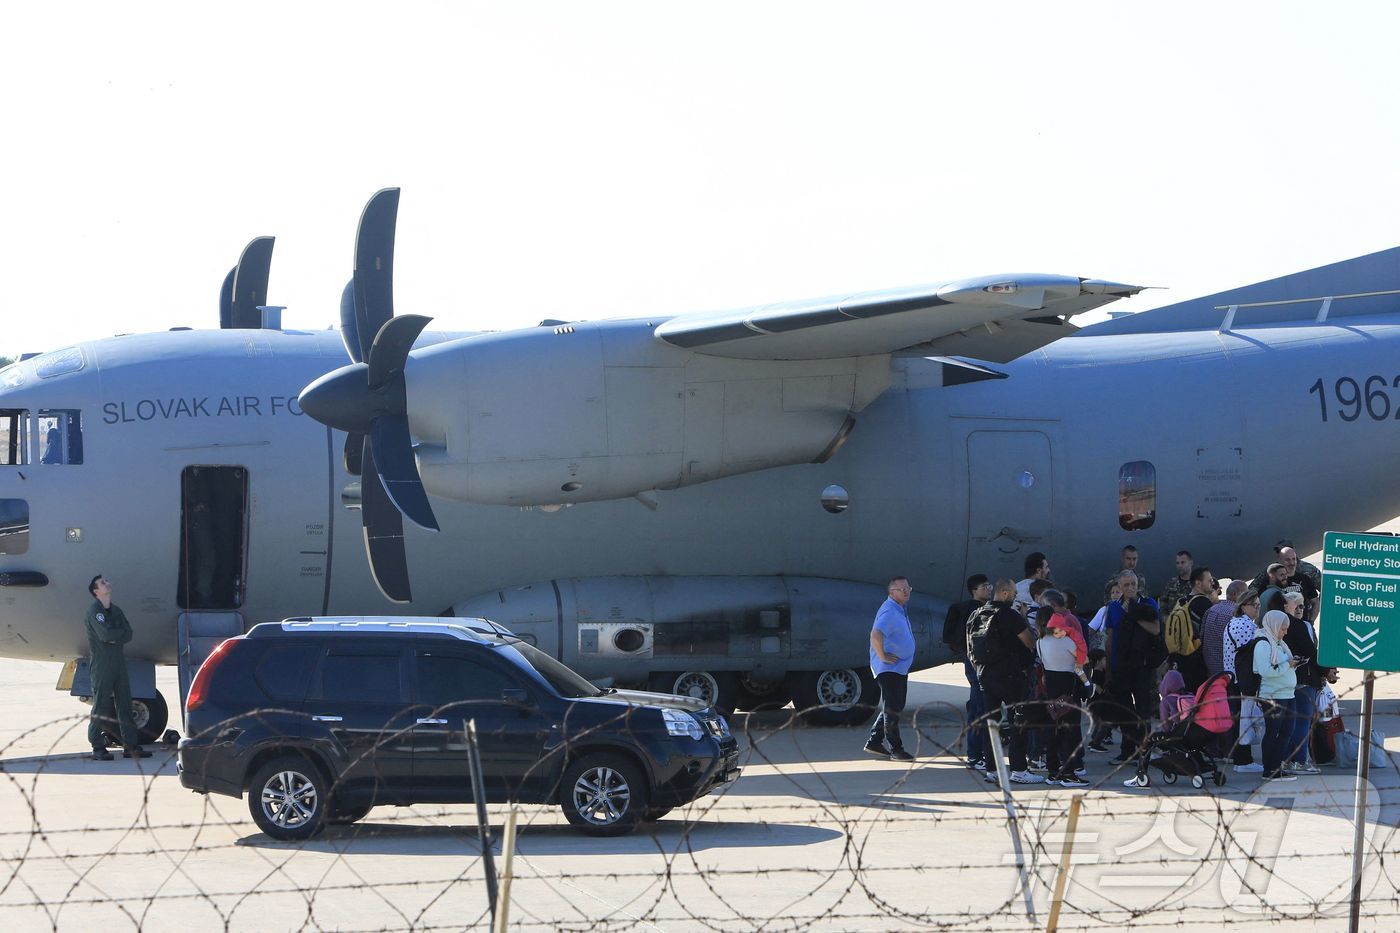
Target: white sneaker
{"x": 1026, "y": 777}
{"x": 1306, "y": 768}
{"x": 1080, "y": 772}
{"x": 1282, "y": 777}
{"x": 1253, "y": 768}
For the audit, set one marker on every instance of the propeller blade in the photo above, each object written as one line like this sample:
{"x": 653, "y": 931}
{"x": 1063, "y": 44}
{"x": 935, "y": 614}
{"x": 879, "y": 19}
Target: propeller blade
{"x": 383, "y": 525}
{"x": 392, "y": 449}
{"x": 349, "y": 324}
{"x": 374, "y": 266}
{"x": 354, "y": 453}
{"x": 250, "y": 284}
{"x": 226, "y": 300}
{"x": 389, "y": 352}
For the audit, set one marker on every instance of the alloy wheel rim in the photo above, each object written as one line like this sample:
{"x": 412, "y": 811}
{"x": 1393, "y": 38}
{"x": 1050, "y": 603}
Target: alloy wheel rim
{"x": 601, "y": 795}
{"x": 289, "y": 799}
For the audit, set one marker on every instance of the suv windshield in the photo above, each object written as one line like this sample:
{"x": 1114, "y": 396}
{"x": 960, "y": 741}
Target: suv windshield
{"x": 561, "y": 678}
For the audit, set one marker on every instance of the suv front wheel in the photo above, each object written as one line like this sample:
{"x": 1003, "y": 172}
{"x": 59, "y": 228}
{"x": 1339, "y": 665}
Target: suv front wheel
{"x": 604, "y": 795}
{"x": 288, "y": 798}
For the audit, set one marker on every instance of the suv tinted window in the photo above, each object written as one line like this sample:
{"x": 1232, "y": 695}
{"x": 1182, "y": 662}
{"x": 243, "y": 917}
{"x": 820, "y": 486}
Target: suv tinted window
{"x": 361, "y": 677}
{"x": 444, "y": 679}
{"x": 284, "y": 671}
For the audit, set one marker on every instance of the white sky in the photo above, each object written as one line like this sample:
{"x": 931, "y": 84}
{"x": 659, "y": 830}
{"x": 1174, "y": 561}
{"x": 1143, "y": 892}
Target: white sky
{"x": 598, "y": 159}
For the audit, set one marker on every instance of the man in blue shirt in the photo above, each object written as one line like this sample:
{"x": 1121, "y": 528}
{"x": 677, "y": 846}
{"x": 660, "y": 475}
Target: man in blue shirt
{"x": 891, "y": 656}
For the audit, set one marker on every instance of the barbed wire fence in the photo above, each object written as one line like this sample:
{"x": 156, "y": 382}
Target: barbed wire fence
{"x": 809, "y": 838}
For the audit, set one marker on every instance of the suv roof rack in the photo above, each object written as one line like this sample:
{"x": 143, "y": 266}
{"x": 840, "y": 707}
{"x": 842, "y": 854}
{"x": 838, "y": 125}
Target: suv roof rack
{"x": 466, "y": 629}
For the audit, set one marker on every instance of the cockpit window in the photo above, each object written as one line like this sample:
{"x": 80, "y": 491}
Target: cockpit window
{"x": 14, "y": 526}
{"x": 1137, "y": 495}
{"x": 14, "y": 437}
{"x": 59, "y": 362}
{"x": 60, "y": 434}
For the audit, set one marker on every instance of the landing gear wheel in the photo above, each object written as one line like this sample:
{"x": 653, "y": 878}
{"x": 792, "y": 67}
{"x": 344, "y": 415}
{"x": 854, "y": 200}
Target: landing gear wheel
{"x": 1220, "y": 779}
{"x": 150, "y": 715}
{"x": 603, "y": 795}
{"x": 839, "y": 697}
{"x": 288, "y": 799}
{"x": 754, "y": 695}
{"x": 718, "y": 689}
{"x": 344, "y": 815}
{"x": 1169, "y": 777}
{"x": 1197, "y": 781}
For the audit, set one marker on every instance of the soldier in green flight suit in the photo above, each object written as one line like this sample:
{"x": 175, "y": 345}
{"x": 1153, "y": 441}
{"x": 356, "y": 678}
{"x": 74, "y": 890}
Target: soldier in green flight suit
{"x": 107, "y": 631}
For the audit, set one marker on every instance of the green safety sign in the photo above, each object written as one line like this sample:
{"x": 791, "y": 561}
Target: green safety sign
{"x": 1359, "y": 624}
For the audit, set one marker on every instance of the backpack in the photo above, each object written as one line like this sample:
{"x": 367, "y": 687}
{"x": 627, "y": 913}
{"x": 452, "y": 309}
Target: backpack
{"x": 1180, "y": 632}
{"x": 1245, "y": 676}
{"x": 984, "y": 649}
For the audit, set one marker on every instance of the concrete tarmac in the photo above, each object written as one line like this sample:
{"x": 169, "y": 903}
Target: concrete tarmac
{"x": 815, "y": 835}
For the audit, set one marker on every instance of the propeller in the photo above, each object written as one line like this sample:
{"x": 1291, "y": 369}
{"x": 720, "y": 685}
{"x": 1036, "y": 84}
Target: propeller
{"x": 368, "y": 399}
{"x": 245, "y": 287}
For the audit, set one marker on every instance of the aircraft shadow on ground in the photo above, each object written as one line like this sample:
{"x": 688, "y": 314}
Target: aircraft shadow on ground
{"x": 671, "y": 835}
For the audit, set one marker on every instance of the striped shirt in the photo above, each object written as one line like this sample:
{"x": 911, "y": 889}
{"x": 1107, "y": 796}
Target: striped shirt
{"x": 1213, "y": 635}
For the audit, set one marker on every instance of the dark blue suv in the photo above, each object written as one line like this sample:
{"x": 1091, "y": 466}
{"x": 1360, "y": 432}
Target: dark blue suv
{"x": 319, "y": 720}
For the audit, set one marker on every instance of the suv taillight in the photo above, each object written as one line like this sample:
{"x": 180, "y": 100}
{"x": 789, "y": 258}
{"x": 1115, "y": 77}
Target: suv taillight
{"x": 199, "y": 690}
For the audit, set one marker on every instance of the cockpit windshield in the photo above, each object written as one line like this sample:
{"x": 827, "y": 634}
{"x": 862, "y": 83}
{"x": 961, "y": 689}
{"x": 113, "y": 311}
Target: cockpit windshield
{"x": 53, "y": 436}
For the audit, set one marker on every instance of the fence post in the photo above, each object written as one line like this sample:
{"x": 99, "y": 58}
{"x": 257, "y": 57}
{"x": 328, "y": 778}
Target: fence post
{"x": 508, "y": 855}
{"x": 483, "y": 826}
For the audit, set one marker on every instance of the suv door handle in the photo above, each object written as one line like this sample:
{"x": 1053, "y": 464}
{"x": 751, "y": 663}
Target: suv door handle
{"x": 327, "y": 718}
{"x": 432, "y": 722}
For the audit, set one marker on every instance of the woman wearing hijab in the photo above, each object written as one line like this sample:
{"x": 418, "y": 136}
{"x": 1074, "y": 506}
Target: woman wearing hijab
{"x": 1274, "y": 664}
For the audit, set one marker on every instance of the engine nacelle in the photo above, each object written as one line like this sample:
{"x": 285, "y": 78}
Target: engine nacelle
{"x": 629, "y": 628}
{"x": 584, "y": 412}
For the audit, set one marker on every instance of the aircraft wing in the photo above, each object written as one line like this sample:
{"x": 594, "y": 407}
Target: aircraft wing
{"x": 995, "y": 318}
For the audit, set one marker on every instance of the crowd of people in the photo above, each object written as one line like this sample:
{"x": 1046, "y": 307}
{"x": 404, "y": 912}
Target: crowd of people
{"x": 1035, "y": 667}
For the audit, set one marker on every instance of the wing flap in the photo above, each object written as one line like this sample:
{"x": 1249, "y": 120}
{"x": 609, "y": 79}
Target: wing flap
{"x": 918, "y": 317}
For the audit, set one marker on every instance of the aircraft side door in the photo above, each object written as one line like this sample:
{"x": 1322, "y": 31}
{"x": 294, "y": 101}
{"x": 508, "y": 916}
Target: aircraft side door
{"x": 362, "y": 704}
{"x": 1010, "y": 500}
{"x": 453, "y": 687}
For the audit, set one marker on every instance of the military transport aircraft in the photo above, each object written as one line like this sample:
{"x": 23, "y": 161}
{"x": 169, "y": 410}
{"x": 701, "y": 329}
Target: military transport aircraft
{"x": 681, "y": 501}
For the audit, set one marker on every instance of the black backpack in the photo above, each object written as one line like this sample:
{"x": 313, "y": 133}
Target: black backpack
{"x": 1245, "y": 677}
{"x": 984, "y": 648}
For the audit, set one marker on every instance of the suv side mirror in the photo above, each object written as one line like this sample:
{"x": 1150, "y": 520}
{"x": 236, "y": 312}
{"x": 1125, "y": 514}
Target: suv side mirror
{"x": 516, "y": 696}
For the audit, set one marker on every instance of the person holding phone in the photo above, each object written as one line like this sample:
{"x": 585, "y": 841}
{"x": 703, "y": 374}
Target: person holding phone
{"x": 1278, "y": 678}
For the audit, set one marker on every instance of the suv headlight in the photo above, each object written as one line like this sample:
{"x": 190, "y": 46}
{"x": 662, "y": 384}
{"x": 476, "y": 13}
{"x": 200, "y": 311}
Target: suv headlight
{"x": 679, "y": 722}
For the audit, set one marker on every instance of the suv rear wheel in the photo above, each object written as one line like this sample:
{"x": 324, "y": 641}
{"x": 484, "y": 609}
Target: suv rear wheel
{"x": 604, "y": 795}
{"x": 288, "y": 798}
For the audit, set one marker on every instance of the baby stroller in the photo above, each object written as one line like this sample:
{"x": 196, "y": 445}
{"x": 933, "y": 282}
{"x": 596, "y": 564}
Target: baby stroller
{"x": 1182, "y": 750}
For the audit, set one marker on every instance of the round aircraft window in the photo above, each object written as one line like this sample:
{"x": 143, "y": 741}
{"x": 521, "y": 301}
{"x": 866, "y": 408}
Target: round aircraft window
{"x": 835, "y": 499}
{"x": 629, "y": 639}
{"x": 571, "y": 487}
{"x": 1026, "y": 480}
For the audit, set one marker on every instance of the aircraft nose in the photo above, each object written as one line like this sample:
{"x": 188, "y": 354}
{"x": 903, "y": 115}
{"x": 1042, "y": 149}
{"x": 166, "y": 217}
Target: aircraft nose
{"x": 342, "y": 399}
